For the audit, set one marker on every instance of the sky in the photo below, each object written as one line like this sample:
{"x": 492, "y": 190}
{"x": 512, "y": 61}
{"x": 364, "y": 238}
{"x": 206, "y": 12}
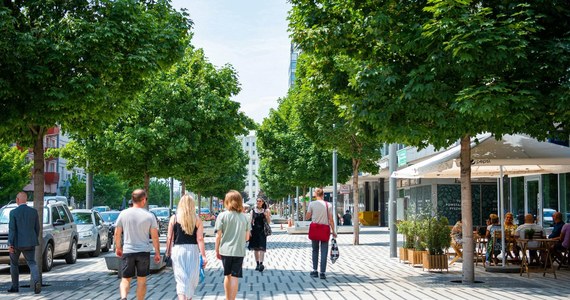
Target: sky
{"x": 250, "y": 35}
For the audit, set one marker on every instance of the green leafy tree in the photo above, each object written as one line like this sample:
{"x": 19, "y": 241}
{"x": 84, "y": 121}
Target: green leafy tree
{"x": 77, "y": 64}
{"x": 14, "y": 172}
{"x": 321, "y": 91}
{"x": 289, "y": 158}
{"x": 181, "y": 126}
{"x": 439, "y": 71}
{"x": 109, "y": 190}
{"x": 77, "y": 189}
{"x": 159, "y": 193}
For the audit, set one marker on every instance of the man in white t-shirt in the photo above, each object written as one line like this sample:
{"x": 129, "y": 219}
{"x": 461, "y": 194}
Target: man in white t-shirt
{"x": 136, "y": 223}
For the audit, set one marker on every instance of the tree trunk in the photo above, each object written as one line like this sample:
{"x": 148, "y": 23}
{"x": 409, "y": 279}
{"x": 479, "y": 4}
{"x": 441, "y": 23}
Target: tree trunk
{"x": 182, "y": 188}
{"x": 39, "y": 185}
{"x": 199, "y": 203}
{"x": 304, "y": 204}
{"x": 356, "y": 199}
{"x": 147, "y": 187}
{"x": 467, "y": 210}
{"x": 211, "y": 204}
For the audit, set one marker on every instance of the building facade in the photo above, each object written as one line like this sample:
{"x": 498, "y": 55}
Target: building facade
{"x": 248, "y": 144}
{"x": 56, "y": 174}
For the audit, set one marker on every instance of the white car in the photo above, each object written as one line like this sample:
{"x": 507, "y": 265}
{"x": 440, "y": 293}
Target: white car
{"x": 547, "y": 220}
{"x": 92, "y": 231}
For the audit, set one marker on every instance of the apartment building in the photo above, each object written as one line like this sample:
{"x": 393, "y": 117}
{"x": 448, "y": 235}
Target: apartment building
{"x": 248, "y": 144}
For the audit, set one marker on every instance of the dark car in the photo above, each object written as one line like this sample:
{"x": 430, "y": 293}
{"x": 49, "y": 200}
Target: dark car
{"x": 110, "y": 218}
{"x": 163, "y": 216}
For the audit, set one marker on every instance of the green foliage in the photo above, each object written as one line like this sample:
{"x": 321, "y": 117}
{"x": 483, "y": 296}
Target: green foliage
{"x": 289, "y": 158}
{"x": 159, "y": 193}
{"x": 183, "y": 126}
{"x": 108, "y": 189}
{"x": 14, "y": 172}
{"x": 77, "y": 63}
{"x": 405, "y": 228}
{"x": 441, "y": 70}
{"x": 437, "y": 234}
{"x": 77, "y": 189}
{"x": 529, "y": 233}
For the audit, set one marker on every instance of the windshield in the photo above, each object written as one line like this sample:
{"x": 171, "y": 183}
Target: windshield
{"x": 110, "y": 217}
{"x": 82, "y": 218}
{"x": 5, "y": 214}
{"x": 161, "y": 212}
{"x": 548, "y": 213}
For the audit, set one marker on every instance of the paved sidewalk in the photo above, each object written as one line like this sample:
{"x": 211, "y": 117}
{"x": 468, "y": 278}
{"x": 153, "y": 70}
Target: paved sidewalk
{"x": 362, "y": 272}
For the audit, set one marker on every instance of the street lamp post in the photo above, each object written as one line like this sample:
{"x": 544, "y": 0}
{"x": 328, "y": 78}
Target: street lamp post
{"x": 334, "y": 186}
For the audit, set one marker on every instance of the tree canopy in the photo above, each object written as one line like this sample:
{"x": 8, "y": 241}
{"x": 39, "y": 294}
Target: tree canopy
{"x": 435, "y": 71}
{"x": 183, "y": 125}
{"x": 14, "y": 172}
{"x": 78, "y": 64}
{"x": 289, "y": 158}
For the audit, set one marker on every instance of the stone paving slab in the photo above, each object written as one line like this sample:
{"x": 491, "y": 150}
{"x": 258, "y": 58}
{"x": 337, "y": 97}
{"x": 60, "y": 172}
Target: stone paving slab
{"x": 362, "y": 272}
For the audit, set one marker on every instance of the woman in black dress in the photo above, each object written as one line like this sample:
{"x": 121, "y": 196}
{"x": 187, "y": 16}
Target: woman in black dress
{"x": 258, "y": 241}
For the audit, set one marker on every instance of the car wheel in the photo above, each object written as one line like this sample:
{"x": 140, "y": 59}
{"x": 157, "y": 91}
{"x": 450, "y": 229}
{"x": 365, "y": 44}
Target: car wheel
{"x": 47, "y": 263}
{"x": 107, "y": 245}
{"x": 71, "y": 256}
{"x": 97, "y": 248}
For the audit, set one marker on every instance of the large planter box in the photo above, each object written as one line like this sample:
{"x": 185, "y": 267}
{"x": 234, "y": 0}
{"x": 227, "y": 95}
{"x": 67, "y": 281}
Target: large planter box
{"x": 435, "y": 262}
{"x": 415, "y": 256}
{"x": 403, "y": 254}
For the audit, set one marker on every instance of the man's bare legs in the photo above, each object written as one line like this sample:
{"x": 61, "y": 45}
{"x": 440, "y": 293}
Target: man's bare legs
{"x": 231, "y": 286}
{"x": 125, "y": 286}
{"x": 141, "y": 287}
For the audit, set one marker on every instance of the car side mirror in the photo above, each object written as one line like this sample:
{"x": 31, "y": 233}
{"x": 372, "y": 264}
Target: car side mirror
{"x": 59, "y": 222}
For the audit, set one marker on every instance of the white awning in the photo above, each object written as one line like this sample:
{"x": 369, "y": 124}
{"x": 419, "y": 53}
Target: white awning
{"x": 519, "y": 155}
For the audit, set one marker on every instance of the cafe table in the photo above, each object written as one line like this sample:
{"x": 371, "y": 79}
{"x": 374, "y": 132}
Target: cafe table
{"x": 543, "y": 247}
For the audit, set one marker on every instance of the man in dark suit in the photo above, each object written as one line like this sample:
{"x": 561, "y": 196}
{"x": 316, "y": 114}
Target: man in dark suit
{"x": 24, "y": 228}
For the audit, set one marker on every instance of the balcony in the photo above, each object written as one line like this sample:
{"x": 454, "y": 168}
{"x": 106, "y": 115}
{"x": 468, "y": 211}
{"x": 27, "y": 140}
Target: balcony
{"x": 53, "y": 130}
{"x": 51, "y": 177}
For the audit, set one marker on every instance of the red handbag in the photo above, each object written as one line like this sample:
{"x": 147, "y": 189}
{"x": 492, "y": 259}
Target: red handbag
{"x": 320, "y": 232}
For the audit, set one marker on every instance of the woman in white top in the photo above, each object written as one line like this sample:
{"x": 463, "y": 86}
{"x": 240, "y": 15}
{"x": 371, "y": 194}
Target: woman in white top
{"x": 320, "y": 212}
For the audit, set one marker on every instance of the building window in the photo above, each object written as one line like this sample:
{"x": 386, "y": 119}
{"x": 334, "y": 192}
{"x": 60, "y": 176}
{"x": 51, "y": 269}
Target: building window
{"x": 246, "y": 144}
{"x": 253, "y": 183}
{"x": 253, "y": 152}
{"x": 253, "y": 162}
{"x": 253, "y": 144}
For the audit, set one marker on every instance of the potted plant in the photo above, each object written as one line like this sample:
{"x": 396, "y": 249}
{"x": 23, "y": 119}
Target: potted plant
{"x": 438, "y": 240}
{"x": 404, "y": 227}
{"x": 417, "y": 234}
{"x": 529, "y": 233}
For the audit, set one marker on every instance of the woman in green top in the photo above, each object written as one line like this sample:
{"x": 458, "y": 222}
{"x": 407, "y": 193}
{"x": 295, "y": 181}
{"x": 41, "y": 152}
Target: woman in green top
{"x": 232, "y": 232}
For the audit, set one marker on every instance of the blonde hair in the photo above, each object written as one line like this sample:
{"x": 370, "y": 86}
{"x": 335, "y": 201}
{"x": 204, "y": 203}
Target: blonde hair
{"x": 186, "y": 214}
{"x": 233, "y": 201}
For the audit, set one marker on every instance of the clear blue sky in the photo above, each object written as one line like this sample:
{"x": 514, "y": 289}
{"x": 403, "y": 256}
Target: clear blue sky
{"x": 252, "y": 36}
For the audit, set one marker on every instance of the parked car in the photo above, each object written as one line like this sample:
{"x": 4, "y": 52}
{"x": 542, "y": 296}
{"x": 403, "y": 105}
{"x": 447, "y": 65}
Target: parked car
{"x": 93, "y": 232}
{"x": 547, "y": 220}
{"x": 59, "y": 234}
{"x": 57, "y": 199}
{"x": 110, "y": 218}
{"x": 163, "y": 215}
{"x": 101, "y": 208}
